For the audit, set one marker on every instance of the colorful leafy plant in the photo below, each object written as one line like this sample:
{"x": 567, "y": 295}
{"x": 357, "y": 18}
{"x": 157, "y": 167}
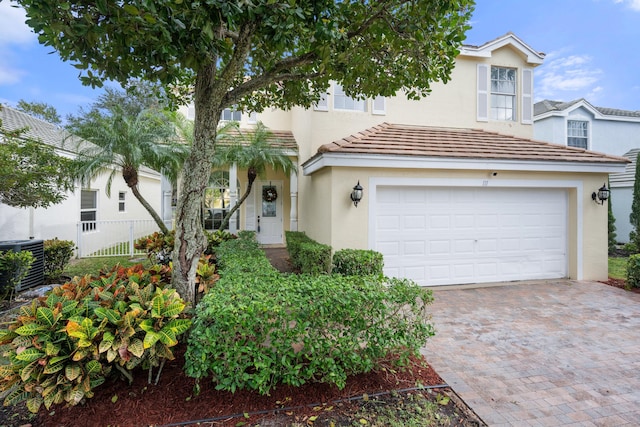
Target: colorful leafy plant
{"x": 64, "y": 345}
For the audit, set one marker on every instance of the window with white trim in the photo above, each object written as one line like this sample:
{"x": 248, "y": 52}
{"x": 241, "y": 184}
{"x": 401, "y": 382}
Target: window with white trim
{"x": 253, "y": 118}
{"x": 230, "y": 115}
{"x": 578, "y": 134}
{"x": 343, "y": 102}
{"x": 503, "y": 93}
{"x": 322, "y": 104}
{"x": 88, "y": 209}
{"x": 121, "y": 201}
{"x": 379, "y": 105}
{"x": 217, "y": 201}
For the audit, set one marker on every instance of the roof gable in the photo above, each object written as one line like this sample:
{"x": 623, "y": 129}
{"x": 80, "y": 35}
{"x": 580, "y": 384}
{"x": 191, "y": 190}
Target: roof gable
{"x": 547, "y": 108}
{"x": 486, "y": 50}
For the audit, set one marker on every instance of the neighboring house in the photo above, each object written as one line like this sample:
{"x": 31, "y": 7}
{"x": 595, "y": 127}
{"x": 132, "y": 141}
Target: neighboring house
{"x": 88, "y": 203}
{"x": 455, "y": 188}
{"x": 607, "y": 130}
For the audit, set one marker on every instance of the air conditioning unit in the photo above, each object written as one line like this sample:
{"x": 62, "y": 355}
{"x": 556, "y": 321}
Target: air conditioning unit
{"x": 35, "y": 277}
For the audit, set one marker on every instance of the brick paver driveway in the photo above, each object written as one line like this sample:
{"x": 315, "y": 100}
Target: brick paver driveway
{"x": 551, "y": 353}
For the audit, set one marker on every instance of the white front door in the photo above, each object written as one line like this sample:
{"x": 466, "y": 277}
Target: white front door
{"x": 268, "y": 202}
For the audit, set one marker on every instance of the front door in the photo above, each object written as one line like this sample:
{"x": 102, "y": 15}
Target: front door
{"x": 268, "y": 202}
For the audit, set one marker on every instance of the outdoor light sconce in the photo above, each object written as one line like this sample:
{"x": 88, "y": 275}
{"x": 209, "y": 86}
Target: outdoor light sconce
{"x": 602, "y": 195}
{"x": 356, "y": 194}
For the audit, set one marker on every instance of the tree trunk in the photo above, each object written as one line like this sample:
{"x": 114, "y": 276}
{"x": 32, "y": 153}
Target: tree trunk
{"x": 190, "y": 240}
{"x": 150, "y": 209}
{"x": 130, "y": 175}
{"x": 229, "y": 215}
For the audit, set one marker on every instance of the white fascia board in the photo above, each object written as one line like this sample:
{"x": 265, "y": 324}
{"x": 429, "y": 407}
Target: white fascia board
{"x": 407, "y": 162}
{"x": 486, "y": 50}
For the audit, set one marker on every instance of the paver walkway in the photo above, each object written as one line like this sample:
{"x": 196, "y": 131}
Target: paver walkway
{"x": 551, "y": 353}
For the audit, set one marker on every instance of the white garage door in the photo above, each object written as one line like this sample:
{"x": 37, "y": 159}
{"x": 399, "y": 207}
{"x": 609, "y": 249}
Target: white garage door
{"x": 442, "y": 236}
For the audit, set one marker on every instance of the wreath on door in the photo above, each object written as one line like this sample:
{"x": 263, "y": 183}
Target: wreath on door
{"x": 269, "y": 194}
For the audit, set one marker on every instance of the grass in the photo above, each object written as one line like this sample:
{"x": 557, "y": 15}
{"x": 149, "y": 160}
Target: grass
{"x": 618, "y": 267}
{"x": 80, "y": 267}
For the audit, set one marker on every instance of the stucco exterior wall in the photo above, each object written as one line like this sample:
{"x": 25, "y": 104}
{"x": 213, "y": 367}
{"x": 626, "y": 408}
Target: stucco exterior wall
{"x": 621, "y": 199}
{"x": 347, "y": 226}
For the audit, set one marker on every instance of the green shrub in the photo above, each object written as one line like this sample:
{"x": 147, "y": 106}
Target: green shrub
{"x": 14, "y": 266}
{"x": 64, "y": 345}
{"x": 357, "y": 262}
{"x": 57, "y": 254}
{"x": 307, "y": 255}
{"x": 159, "y": 246}
{"x": 630, "y": 248}
{"x": 633, "y": 271}
{"x": 259, "y": 330}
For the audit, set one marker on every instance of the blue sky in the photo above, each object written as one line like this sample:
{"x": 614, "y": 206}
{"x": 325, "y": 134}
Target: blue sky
{"x": 590, "y": 48}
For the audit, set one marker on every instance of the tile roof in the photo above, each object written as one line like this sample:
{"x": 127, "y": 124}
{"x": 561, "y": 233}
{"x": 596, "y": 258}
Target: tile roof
{"x": 548, "y": 105}
{"x": 423, "y": 141}
{"x": 37, "y": 129}
{"x": 279, "y": 138}
{"x": 629, "y": 175}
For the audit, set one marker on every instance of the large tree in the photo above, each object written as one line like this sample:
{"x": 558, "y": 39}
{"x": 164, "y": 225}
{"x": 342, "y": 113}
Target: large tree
{"x": 41, "y": 110}
{"x": 253, "y": 54}
{"x": 32, "y": 174}
{"x": 125, "y": 135}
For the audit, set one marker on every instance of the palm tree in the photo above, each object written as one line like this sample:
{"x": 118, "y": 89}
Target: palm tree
{"x": 128, "y": 141}
{"x": 255, "y": 151}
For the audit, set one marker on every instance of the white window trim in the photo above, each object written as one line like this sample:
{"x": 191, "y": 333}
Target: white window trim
{"x": 566, "y": 132}
{"x": 514, "y": 117}
{"x": 379, "y": 106}
{"x": 362, "y": 102}
{"x": 97, "y": 193}
{"x": 323, "y": 103}
{"x": 122, "y": 200}
{"x": 222, "y": 119}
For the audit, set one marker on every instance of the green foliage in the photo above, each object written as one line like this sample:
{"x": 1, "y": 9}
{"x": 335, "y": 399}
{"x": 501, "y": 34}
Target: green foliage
{"x": 633, "y": 271}
{"x": 14, "y": 266}
{"x": 634, "y": 216}
{"x": 357, "y": 262}
{"x": 57, "y": 254}
{"x": 31, "y": 173}
{"x": 159, "y": 246}
{"x": 64, "y": 345}
{"x": 126, "y": 135}
{"x": 307, "y": 255}
{"x": 611, "y": 228}
{"x": 631, "y": 247}
{"x": 259, "y": 330}
{"x": 40, "y": 110}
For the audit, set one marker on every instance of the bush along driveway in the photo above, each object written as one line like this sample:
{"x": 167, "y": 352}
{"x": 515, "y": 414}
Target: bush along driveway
{"x": 550, "y": 353}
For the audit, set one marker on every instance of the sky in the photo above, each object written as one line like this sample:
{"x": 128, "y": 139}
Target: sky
{"x": 590, "y": 48}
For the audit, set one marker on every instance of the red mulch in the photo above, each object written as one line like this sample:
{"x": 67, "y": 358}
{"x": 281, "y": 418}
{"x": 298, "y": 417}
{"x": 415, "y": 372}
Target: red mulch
{"x": 172, "y": 401}
{"x": 622, "y": 284}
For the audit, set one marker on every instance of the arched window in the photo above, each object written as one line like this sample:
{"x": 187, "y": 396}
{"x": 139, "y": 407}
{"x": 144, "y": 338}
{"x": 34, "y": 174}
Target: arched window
{"x": 217, "y": 201}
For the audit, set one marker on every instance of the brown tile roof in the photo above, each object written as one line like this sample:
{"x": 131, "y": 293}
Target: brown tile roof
{"x": 278, "y": 138}
{"x": 423, "y": 141}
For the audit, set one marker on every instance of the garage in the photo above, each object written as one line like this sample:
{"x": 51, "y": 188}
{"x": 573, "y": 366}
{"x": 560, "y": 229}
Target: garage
{"x": 457, "y": 235}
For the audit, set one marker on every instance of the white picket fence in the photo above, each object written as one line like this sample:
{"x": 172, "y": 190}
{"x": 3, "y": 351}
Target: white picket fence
{"x": 112, "y": 238}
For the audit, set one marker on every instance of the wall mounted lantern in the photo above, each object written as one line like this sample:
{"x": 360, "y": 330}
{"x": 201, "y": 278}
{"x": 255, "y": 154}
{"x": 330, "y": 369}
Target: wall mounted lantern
{"x": 602, "y": 195}
{"x": 356, "y": 194}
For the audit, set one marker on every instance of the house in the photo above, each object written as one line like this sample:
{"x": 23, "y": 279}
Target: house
{"x": 455, "y": 188}
{"x": 104, "y": 216}
{"x": 607, "y": 130}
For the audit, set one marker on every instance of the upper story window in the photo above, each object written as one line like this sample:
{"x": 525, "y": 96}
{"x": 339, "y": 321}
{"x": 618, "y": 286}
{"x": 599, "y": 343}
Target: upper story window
{"x": 503, "y": 93}
{"x": 230, "y": 115}
{"x": 344, "y": 102}
{"x": 88, "y": 209}
{"x": 577, "y": 134}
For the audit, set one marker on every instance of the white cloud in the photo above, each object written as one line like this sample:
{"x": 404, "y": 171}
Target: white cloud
{"x": 565, "y": 77}
{"x": 13, "y": 29}
{"x": 633, "y": 4}
{"x": 9, "y": 76}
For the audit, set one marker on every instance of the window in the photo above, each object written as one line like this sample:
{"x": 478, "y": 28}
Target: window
{"x": 229, "y": 115}
{"x": 217, "y": 201}
{"x": 253, "y": 118}
{"x": 344, "y": 102}
{"x": 322, "y": 104}
{"x": 121, "y": 201}
{"x": 378, "y": 106}
{"x": 88, "y": 209}
{"x": 503, "y": 93}
{"x": 577, "y": 134}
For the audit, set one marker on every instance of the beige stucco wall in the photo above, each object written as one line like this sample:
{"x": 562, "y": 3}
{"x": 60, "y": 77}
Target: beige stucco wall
{"x": 348, "y": 227}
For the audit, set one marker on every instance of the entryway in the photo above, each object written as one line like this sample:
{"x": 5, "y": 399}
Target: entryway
{"x": 268, "y": 209}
